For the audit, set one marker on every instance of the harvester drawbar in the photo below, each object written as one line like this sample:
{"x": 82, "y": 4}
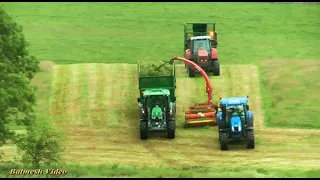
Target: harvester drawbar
{"x": 201, "y": 114}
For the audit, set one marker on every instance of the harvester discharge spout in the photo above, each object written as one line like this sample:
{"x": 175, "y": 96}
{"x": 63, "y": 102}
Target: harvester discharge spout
{"x": 201, "y": 114}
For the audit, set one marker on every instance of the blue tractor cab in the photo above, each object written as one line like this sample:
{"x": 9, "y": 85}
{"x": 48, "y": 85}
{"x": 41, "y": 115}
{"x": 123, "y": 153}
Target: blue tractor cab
{"x": 235, "y": 122}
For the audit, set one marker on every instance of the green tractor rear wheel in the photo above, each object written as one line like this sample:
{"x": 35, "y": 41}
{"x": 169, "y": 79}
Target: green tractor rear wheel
{"x": 143, "y": 130}
{"x": 171, "y": 129}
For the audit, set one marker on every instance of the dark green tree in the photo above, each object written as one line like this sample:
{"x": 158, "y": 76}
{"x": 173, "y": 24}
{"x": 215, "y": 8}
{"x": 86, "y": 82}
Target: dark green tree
{"x": 41, "y": 145}
{"x": 17, "y": 68}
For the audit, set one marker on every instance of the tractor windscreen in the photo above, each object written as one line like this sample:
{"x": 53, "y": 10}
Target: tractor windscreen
{"x": 235, "y": 110}
{"x": 201, "y": 44}
{"x": 160, "y": 100}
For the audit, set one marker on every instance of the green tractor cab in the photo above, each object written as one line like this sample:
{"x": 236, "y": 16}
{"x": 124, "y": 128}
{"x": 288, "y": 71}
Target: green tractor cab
{"x": 200, "y": 46}
{"x": 157, "y": 103}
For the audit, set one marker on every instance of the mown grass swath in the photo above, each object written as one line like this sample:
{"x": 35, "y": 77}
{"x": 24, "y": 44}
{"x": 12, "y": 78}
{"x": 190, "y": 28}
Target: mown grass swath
{"x": 274, "y": 62}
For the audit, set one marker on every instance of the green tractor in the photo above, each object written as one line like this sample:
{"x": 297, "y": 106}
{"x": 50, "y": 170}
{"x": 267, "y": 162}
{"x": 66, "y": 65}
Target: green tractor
{"x": 200, "y": 46}
{"x": 157, "y": 104}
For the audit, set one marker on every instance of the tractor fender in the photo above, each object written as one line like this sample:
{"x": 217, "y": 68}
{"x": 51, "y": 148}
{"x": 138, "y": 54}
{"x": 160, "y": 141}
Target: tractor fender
{"x": 188, "y": 54}
{"x": 250, "y": 115}
{"x": 223, "y": 130}
{"x": 214, "y": 54}
{"x": 220, "y": 122}
{"x": 173, "y": 115}
{"x": 140, "y": 112}
{"x": 219, "y": 116}
{"x": 249, "y": 128}
{"x": 250, "y": 118}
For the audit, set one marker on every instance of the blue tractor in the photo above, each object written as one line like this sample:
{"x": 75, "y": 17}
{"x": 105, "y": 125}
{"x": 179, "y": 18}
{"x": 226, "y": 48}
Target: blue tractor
{"x": 235, "y": 122}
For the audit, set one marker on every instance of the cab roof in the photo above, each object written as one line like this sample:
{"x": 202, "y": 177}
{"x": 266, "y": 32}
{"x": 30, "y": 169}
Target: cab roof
{"x": 200, "y": 37}
{"x": 233, "y": 101}
{"x": 154, "y": 92}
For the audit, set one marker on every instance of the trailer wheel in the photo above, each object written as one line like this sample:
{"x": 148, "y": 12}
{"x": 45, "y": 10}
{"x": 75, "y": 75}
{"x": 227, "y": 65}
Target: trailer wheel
{"x": 171, "y": 129}
{"x": 143, "y": 130}
{"x": 216, "y": 68}
{"x": 223, "y": 138}
{"x": 191, "y": 72}
{"x": 250, "y": 140}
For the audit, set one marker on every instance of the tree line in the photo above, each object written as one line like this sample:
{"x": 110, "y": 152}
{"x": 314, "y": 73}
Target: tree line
{"x": 40, "y": 145}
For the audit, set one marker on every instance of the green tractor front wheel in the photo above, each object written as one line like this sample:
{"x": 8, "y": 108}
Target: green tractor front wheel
{"x": 143, "y": 130}
{"x": 171, "y": 129}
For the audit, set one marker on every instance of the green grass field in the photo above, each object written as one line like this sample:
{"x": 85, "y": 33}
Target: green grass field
{"x": 268, "y": 51}
{"x": 162, "y": 172}
{"x": 128, "y": 32}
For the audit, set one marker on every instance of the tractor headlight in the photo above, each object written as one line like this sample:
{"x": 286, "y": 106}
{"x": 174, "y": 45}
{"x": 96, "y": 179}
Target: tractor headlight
{"x": 211, "y": 34}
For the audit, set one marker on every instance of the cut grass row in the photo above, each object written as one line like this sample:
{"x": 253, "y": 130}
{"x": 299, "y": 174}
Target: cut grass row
{"x": 119, "y": 131}
{"x": 89, "y": 142}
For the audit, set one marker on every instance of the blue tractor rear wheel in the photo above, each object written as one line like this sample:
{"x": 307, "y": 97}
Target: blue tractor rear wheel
{"x": 250, "y": 139}
{"x": 250, "y": 121}
{"x": 223, "y": 138}
{"x": 221, "y": 124}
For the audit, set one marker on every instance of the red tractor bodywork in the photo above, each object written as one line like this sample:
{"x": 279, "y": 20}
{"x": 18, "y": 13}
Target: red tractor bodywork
{"x": 201, "y": 47}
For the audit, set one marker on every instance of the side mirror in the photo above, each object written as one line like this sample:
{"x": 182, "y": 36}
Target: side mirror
{"x": 138, "y": 99}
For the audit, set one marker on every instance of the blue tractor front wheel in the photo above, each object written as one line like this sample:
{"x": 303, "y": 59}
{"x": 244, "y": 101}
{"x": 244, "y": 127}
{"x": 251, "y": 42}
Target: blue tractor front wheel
{"x": 250, "y": 139}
